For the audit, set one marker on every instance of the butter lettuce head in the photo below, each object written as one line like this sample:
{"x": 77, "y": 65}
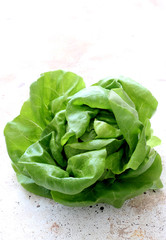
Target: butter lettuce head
{"x": 81, "y": 146}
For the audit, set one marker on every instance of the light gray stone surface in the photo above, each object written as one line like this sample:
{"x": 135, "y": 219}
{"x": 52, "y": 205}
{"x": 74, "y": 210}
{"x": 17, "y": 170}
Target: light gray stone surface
{"x": 93, "y": 39}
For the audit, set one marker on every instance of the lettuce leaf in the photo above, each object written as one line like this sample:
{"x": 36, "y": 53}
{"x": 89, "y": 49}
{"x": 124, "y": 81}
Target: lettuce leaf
{"x": 81, "y": 146}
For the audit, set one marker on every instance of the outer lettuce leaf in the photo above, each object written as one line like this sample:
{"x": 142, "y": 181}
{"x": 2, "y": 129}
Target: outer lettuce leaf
{"x": 144, "y": 101}
{"x": 50, "y": 86}
{"x": 154, "y": 141}
{"x": 21, "y": 132}
{"x": 26, "y": 129}
{"x": 108, "y": 83}
{"x": 81, "y": 146}
{"x": 83, "y": 170}
{"x": 129, "y": 125}
{"x": 31, "y": 186}
{"x": 113, "y": 193}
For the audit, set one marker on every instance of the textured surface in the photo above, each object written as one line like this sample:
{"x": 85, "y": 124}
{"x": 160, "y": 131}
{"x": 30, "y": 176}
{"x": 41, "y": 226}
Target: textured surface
{"x": 94, "y": 39}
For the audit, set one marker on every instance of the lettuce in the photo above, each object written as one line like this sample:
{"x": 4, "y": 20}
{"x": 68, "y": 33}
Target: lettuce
{"x": 81, "y": 146}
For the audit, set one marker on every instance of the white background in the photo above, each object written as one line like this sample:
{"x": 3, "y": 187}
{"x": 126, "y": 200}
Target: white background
{"x": 94, "y": 39}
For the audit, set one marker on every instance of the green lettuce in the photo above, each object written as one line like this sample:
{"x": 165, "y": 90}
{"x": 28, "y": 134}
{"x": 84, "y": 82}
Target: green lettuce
{"x": 81, "y": 146}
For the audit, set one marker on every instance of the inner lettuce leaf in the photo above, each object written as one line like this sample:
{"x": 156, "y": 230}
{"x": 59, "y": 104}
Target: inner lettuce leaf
{"x": 81, "y": 146}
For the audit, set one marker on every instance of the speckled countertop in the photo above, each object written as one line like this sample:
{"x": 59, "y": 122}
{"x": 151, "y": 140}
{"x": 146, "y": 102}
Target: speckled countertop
{"x": 93, "y": 39}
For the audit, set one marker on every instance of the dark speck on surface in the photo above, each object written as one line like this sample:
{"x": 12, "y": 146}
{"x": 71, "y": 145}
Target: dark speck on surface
{"x": 144, "y": 192}
{"x": 90, "y": 206}
{"x": 101, "y": 208}
{"x": 38, "y": 206}
{"x": 154, "y": 190}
